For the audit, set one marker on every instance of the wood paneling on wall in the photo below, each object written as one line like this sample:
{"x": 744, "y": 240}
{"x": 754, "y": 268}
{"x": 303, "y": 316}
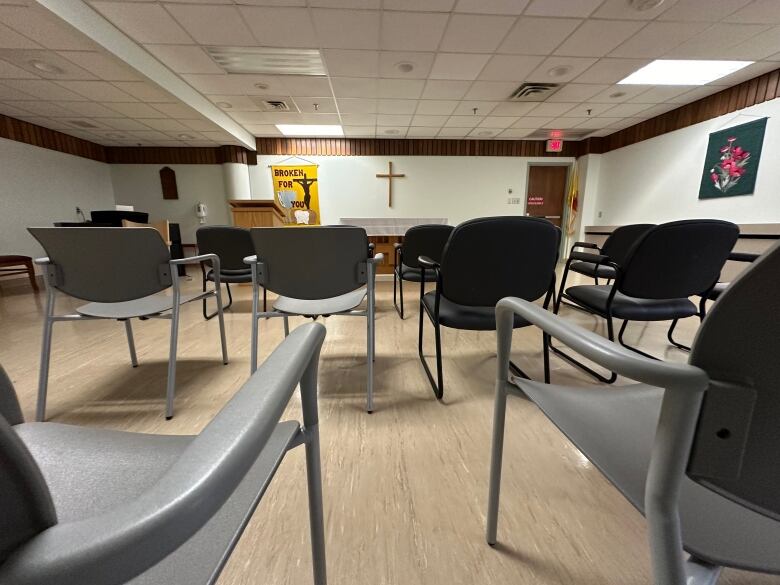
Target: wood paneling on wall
{"x": 141, "y": 155}
{"x": 22, "y": 131}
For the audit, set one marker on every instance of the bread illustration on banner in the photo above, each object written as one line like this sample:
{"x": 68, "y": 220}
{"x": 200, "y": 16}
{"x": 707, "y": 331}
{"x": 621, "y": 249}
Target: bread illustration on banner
{"x": 302, "y": 217}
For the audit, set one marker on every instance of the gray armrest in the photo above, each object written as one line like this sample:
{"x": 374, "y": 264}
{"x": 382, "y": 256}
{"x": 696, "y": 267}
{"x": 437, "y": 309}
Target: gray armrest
{"x": 426, "y": 262}
{"x": 397, "y": 245}
{"x": 44, "y": 260}
{"x": 194, "y": 259}
{"x": 600, "y": 350}
{"x": 377, "y": 258}
{"x": 113, "y": 547}
{"x": 250, "y": 259}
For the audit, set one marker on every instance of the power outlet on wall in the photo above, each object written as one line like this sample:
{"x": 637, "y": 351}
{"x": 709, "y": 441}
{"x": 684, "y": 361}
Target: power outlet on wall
{"x": 513, "y": 201}
{"x": 600, "y": 213}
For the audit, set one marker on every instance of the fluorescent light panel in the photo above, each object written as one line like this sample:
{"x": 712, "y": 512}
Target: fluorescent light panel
{"x": 269, "y": 61}
{"x": 310, "y": 129}
{"x": 682, "y": 72}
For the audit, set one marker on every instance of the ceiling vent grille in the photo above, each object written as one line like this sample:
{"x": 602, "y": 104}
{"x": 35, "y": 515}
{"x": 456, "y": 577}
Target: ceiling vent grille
{"x": 533, "y": 92}
{"x": 268, "y": 61}
{"x": 273, "y": 104}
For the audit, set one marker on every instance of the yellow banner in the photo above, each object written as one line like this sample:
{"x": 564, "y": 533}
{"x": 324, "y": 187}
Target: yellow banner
{"x": 296, "y": 191}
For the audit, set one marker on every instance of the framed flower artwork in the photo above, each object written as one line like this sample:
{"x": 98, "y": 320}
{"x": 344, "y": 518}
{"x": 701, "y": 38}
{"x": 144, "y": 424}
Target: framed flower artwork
{"x": 731, "y": 162}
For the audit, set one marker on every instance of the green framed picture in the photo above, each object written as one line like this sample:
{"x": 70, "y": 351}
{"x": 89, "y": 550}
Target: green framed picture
{"x": 731, "y": 163}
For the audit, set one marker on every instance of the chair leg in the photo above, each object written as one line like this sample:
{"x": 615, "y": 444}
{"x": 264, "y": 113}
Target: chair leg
{"x": 370, "y": 349}
{"x": 670, "y": 337}
{"x": 255, "y": 330}
{"x": 631, "y": 347}
{"x": 578, "y": 364}
{"x": 221, "y": 317}
{"x": 496, "y": 460}
{"x": 546, "y": 356}
{"x": 286, "y": 326}
{"x": 225, "y": 308}
{"x": 699, "y": 572}
{"x": 43, "y": 375}
{"x": 316, "y": 523}
{"x": 172, "y": 362}
{"x": 131, "y": 343}
{"x": 438, "y": 388}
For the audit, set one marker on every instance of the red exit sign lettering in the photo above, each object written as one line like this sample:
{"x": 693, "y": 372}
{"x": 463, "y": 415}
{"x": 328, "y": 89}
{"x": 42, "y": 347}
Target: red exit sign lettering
{"x": 554, "y": 145}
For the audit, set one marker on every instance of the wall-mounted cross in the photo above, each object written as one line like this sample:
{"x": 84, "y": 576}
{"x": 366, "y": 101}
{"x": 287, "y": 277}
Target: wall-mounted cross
{"x": 389, "y": 176}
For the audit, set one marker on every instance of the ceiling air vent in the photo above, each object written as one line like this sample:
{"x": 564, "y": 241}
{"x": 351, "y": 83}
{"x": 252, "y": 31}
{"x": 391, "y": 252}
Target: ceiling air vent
{"x": 83, "y": 124}
{"x": 534, "y": 92}
{"x": 273, "y": 103}
{"x": 275, "y": 106}
{"x": 268, "y": 61}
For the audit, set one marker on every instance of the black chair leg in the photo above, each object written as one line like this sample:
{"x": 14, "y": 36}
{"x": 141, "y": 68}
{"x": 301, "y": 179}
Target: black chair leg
{"x": 438, "y": 388}
{"x": 225, "y": 308}
{"x": 578, "y": 364}
{"x": 670, "y": 337}
{"x": 400, "y": 282}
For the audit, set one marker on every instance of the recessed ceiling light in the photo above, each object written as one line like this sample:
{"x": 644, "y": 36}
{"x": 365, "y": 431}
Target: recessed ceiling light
{"x": 310, "y": 129}
{"x": 644, "y": 5}
{"x": 682, "y": 72}
{"x": 261, "y": 85}
{"x": 559, "y": 71}
{"x": 225, "y": 105}
{"x": 186, "y": 137}
{"x": 405, "y": 67}
{"x": 268, "y": 60}
{"x": 46, "y": 67}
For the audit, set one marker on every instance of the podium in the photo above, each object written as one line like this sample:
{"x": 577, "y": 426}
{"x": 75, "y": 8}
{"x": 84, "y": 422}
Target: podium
{"x": 250, "y": 213}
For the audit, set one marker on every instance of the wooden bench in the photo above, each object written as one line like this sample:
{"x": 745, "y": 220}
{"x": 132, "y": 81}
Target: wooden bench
{"x": 11, "y": 265}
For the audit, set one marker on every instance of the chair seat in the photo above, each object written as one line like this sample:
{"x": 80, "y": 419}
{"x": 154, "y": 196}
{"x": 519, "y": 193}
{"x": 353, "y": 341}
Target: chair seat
{"x": 151, "y": 305}
{"x": 415, "y": 274}
{"x": 231, "y": 276}
{"x": 631, "y": 308}
{"x": 714, "y": 528}
{"x": 84, "y": 482}
{"x": 331, "y": 306}
{"x": 593, "y": 269}
{"x": 14, "y": 259}
{"x": 465, "y": 316}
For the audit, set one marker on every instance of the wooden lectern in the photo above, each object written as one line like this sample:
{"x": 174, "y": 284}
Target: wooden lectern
{"x": 256, "y": 213}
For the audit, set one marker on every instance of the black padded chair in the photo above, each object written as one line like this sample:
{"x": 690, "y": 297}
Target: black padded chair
{"x": 597, "y": 265}
{"x": 421, "y": 240}
{"x": 484, "y": 260}
{"x": 232, "y": 245}
{"x": 668, "y": 264}
{"x": 692, "y": 446}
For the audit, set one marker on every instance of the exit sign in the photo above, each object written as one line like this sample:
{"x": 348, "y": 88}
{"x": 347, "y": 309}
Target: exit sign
{"x": 555, "y": 145}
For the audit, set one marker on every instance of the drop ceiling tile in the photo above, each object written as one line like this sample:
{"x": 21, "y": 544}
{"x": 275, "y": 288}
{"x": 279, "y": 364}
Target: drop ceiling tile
{"x": 306, "y": 86}
{"x": 11, "y": 71}
{"x": 359, "y": 119}
{"x": 621, "y": 9}
{"x": 616, "y": 94}
{"x": 43, "y": 89}
{"x": 198, "y": 125}
{"x": 393, "y": 119}
{"x": 746, "y": 73}
{"x": 146, "y": 23}
{"x": 421, "y": 132}
{"x": 280, "y": 26}
{"x": 346, "y": 63}
{"x": 660, "y": 94}
{"x": 560, "y": 69}
{"x": 658, "y": 109}
{"x": 412, "y": 31}
{"x": 420, "y": 5}
{"x": 180, "y": 111}
{"x": 463, "y": 121}
{"x": 357, "y": 106}
{"x": 466, "y": 108}
{"x": 396, "y": 106}
{"x": 567, "y": 122}
{"x": 575, "y": 92}
{"x": 627, "y": 109}
{"x": 551, "y": 109}
{"x": 263, "y": 130}
{"x": 484, "y": 133}
{"x": 506, "y": 67}
{"x": 702, "y": 10}
{"x": 237, "y": 103}
{"x": 89, "y": 109}
{"x": 40, "y": 121}
{"x": 716, "y": 42}
{"x": 124, "y": 124}
{"x": 102, "y": 65}
{"x": 148, "y": 134}
{"x": 146, "y": 92}
{"x": 658, "y": 38}
{"x": 37, "y": 23}
{"x": 358, "y": 4}
{"x": 359, "y": 131}
{"x": 43, "y": 108}
{"x": 597, "y": 123}
{"x": 354, "y": 87}
{"x": 389, "y": 62}
{"x": 509, "y": 7}
{"x": 758, "y": 11}
{"x": 16, "y": 112}
{"x": 401, "y": 88}
{"x": 514, "y": 133}
{"x": 256, "y": 117}
{"x": 391, "y": 131}
{"x": 610, "y": 70}
{"x": 473, "y": 33}
{"x": 532, "y": 122}
{"x": 233, "y": 84}
{"x": 184, "y": 58}
{"x": 491, "y": 90}
{"x": 458, "y": 65}
{"x": 24, "y": 58}
{"x": 537, "y": 36}
{"x": 497, "y": 122}
{"x": 453, "y": 132}
{"x": 581, "y": 110}
{"x": 558, "y": 8}
{"x": 698, "y": 93}
{"x": 100, "y": 91}
{"x": 347, "y": 29}
{"x": 429, "y": 121}
{"x": 445, "y": 90}
{"x": 10, "y": 39}
{"x": 212, "y": 25}
{"x": 596, "y": 38}
{"x": 626, "y": 122}
{"x": 164, "y": 124}
{"x": 436, "y": 108}
{"x": 513, "y": 108}
{"x": 759, "y": 47}
{"x": 323, "y": 105}
{"x": 136, "y": 110}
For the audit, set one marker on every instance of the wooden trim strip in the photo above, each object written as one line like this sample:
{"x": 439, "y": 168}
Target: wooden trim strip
{"x": 28, "y": 133}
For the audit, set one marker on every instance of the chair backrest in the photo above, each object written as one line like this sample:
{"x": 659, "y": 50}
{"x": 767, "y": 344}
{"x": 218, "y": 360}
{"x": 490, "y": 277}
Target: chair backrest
{"x": 425, "y": 240}
{"x": 232, "y": 244}
{"x": 162, "y": 226}
{"x": 106, "y": 265}
{"x": 311, "y": 262}
{"x": 677, "y": 259}
{"x": 737, "y": 441}
{"x": 114, "y": 217}
{"x": 487, "y": 259}
{"x": 26, "y": 507}
{"x": 620, "y": 241}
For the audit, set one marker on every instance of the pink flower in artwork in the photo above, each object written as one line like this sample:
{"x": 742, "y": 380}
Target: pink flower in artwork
{"x": 731, "y": 139}
{"x": 732, "y": 165}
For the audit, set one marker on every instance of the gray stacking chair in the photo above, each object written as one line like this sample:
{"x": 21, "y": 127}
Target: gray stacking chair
{"x": 85, "y": 506}
{"x": 315, "y": 271}
{"x": 232, "y": 244}
{"x": 694, "y": 446}
{"x": 121, "y": 272}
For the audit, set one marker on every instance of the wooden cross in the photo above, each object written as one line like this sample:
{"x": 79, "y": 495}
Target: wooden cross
{"x": 389, "y": 176}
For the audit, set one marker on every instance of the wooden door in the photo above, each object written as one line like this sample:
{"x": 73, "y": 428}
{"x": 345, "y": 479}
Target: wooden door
{"x": 546, "y": 192}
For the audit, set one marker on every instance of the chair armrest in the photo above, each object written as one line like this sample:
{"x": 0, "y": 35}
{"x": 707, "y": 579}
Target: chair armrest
{"x": 737, "y": 257}
{"x": 426, "y": 262}
{"x": 251, "y": 259}
{"x": 397, "y": 245}
{"x": 42, "y": 261}
{"x": 600, "y": 350}
{"x": 194, "y": 259}
{"x": 590, "y": 245}
{"x": 119, "y": 544}
{"x": 377, "y": 258}
{"x": 588, "y": 257}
